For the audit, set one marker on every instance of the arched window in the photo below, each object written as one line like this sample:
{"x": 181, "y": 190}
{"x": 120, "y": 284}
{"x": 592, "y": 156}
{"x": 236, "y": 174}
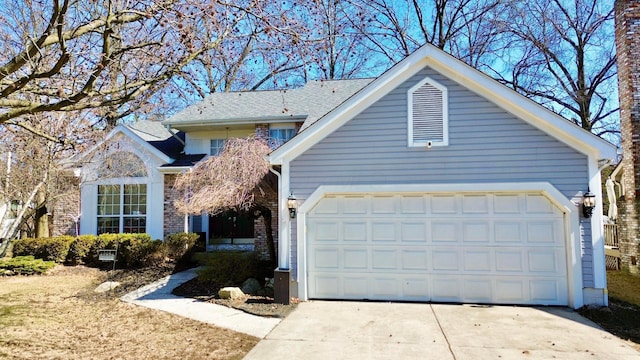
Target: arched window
{"x": 121, "y": 164}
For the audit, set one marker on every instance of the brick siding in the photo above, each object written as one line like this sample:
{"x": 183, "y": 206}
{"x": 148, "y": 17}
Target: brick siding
{"x": 66, "y": 209}
{"x": 173, "y": 221}
{"x": 261, "y": 247}
{"x": 627, "y": 34}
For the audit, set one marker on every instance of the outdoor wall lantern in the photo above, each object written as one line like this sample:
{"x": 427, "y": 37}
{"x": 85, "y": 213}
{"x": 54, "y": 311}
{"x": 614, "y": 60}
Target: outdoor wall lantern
{"x": 292, "y": 204}
{"x": 588, "y": 204}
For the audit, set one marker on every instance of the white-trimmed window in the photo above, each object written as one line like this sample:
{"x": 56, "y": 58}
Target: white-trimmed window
{"x": 122, "y": 208}
{"x": 280, "y": 134}
{"x": 216, "y": 146}
{"x": 428, "y": 114}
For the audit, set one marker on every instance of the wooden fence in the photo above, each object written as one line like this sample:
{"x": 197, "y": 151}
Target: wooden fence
{"x": 611, "y": 247}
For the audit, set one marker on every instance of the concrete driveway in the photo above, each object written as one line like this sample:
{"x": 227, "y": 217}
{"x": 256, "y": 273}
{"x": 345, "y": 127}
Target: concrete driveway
{"x": 369, "y": 330}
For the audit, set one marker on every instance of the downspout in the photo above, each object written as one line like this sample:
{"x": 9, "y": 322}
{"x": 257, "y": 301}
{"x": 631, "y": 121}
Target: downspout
{"x": 283, "y": 254}
{"x": 605, "y": 291}
{"x": 174, "y": 135}
{"x": 282, "y": 275}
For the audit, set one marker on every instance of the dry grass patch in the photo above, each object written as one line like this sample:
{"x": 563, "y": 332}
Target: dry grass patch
{"x": 622, "y": 317}
{"x": 50, "y": 317}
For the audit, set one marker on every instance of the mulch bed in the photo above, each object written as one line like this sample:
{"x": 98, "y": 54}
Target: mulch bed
{"x": 620, "y": 318}
{"x": 252, "y": 304}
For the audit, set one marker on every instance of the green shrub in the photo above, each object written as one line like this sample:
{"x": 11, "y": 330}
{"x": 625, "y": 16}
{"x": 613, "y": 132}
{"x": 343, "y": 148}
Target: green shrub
{"x": 26, "y": 265}
{"x": 50, "y": 249}
{"x": 26, "y": 247}
{"x": 80, "y": 249}
{"x": 228, "y": 268}
{"x": 140, "y": 251}
{"x": 102, "y": 241}
{"x": 55, "y": 248}
{"x": 134, "y": 250}
{"x": 179, "y": 244}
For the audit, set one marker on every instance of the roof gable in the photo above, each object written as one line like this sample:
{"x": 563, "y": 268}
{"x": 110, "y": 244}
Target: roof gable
{"x": 474, "y": 80}
{"x": 152, "y": 147}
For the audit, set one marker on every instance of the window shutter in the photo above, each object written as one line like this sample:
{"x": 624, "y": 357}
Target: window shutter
{"x": 427, "y": 114}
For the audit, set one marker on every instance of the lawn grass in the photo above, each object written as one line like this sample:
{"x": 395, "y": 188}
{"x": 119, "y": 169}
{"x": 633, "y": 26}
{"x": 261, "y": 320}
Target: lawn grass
{"x": 59, "y": 316}
{"x": 622, "y": 318}
{"x": 624, "y": 286}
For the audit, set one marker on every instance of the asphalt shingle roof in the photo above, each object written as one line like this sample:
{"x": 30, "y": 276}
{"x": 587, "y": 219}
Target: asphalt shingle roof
{"x": 308, "y": 103}
{"x": 159, "y": 137}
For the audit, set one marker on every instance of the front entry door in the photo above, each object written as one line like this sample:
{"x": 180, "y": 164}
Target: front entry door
{"x": 231, "y": 225}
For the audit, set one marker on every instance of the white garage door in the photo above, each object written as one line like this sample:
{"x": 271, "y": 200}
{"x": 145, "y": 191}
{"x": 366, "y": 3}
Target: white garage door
{"x": 487, "y": 248}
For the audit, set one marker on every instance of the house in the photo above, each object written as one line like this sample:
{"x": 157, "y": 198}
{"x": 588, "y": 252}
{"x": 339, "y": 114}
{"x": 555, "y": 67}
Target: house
{"x": 432, "y": 182}
{"x": 436, "y": 183}
{"x": 127, "y": 179}
{"x": 627, "y": 38}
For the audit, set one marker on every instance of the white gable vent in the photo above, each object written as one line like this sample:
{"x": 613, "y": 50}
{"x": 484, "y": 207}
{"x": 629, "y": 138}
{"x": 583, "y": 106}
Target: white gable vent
{"x": 428, "y": 114}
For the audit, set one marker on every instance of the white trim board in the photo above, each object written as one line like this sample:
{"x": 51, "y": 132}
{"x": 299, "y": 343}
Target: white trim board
{"x": 570, "y": 210}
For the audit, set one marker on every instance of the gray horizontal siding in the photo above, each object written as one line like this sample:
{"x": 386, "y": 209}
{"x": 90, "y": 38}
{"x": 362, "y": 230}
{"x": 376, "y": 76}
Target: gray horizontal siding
{"x": 486, "y": 144}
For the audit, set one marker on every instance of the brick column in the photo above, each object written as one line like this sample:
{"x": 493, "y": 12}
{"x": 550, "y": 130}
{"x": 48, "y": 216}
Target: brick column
{"x": 261, "y": 247}
{"x": 173, "y": 221}
{"x": 627, "y": 36}
{"x": 66, "y": 210}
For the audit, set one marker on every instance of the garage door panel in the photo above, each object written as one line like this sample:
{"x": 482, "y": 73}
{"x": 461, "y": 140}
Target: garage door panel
{"x": 413, "y": 205}
{"x": 477, "y": 290}
{"x": 326, "y": 258}
{"x": 384, "y": 287}
{"x": 326, "y": 285}
{"x": 545, "y": 261}
{"x": 355, "y": 205}
{"x": 442, "y": 231}
{"x": 477, "y": 260}
{"x": 491, "y": 248}
{"x": 383, "y": 232}
{"x": 384, "y": 259}
{"x": 544, "y": 290}
{"x": 509, "y": 232}
{"x": 510, "y": 291}
{"x": 507, "y": 204}
{"x": 446, "y": 289}
{"x": 445, "y": 259}
{"x": 509, "y": 260}
{"x": 476, "y": 231}
{"x": 415, "y": 259}
{"x": 444, "y": 204}
{"x": 475, "y": 204}
{"x": 325, "y": 231}
{"x": 413, "y": 232}
{"x": 354, "y": 231}
{"x": 546, "y": 232}
{"x": 356, "y": 287}
{"x": 415, "y": 289}
{"x": 328, "y": 205}
{"x": 356, "y": 259}
{"x": 383, "y": 205}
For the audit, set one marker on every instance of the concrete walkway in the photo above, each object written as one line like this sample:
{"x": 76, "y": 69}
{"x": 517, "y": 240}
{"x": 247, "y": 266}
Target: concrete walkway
{"x": 369, "y": 330}
{"x": 158, "y": 296}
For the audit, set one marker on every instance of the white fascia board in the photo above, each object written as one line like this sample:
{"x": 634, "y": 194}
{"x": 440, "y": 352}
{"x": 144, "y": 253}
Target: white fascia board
{"x": 513, "y": 102}
{"x": 173, "y": 169}
{"x": 233, "y": 121}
